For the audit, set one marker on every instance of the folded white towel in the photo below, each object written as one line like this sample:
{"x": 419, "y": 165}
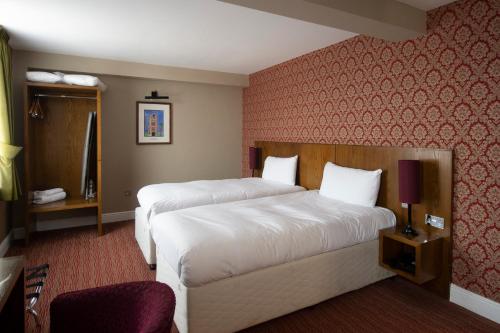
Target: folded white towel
{"x": 42, "y": 194}
{"x": 50, "y": 198}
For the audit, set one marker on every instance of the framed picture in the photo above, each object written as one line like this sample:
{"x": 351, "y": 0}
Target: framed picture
{"x": 154, "y": 123}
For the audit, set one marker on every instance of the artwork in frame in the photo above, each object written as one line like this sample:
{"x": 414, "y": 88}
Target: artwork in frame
{"x": 154, "y": 123}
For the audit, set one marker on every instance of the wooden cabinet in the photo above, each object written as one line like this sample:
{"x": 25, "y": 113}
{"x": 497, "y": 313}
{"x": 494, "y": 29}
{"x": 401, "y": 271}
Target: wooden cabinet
{"x": 54, "y": 144}
{"x": 12, "y": 312}
{"x": 417, "y": 258}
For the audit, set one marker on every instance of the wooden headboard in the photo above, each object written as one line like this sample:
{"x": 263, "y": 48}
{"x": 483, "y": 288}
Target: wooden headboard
{"x": 436, "y": 175}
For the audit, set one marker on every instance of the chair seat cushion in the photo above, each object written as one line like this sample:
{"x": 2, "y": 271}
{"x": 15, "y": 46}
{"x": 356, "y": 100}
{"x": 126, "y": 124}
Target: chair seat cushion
{"x": 146, "y": 306}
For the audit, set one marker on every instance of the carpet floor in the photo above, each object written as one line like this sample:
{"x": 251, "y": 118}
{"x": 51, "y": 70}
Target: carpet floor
{"x": 80, "y": 259}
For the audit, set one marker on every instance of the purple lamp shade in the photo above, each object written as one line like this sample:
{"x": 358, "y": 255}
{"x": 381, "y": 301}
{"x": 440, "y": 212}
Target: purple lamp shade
{"x": 253, "y": 157}
{"x": 409, "y": 181}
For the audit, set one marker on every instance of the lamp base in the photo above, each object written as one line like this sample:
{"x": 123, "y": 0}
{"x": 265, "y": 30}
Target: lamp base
{"x": 408, "y": 230}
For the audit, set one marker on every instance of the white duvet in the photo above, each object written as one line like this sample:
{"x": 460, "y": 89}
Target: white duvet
{"x": 159, "y": 198}
{"x": 209, "y": 243}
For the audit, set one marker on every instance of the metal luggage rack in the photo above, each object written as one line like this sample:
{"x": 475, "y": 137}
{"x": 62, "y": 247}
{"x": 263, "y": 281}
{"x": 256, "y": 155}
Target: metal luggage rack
{"x": 35, "y": 280}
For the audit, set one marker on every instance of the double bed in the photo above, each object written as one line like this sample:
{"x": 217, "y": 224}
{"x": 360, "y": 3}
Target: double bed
{"x": 237, "y": 264}
{"x": 159, "y": 198}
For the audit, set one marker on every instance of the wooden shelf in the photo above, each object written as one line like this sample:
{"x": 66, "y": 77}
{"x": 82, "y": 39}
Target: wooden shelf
{"x": 60, "y": 86}
{"x": 67, "y": 204}
{"x": 397, "y": 234}
{"x": 424, "y": 250}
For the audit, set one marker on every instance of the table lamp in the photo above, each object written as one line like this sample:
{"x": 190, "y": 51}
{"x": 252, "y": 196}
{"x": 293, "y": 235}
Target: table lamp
{"x": 253, "y": 158}
{"x": 409, "y": 188}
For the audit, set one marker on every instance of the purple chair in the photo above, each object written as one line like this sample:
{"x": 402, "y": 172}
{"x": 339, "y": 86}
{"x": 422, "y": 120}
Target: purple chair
{"x": 144, "y": 307}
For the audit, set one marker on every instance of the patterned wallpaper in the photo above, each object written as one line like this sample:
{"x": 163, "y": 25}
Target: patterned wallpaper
{"x": 440, "y": 90}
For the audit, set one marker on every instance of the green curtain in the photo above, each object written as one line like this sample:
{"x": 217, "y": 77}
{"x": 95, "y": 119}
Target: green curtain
{"x": 9, "y": 181}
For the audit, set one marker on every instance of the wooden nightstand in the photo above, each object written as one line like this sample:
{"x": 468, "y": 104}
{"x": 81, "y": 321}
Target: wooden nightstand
{"x": 416, "y": 258}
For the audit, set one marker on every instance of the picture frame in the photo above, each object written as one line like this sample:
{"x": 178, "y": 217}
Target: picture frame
{"x": 154, "y": 123}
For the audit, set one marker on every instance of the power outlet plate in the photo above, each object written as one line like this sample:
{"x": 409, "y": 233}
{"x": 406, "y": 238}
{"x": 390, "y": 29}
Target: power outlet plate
{"x": 435, "y": 221}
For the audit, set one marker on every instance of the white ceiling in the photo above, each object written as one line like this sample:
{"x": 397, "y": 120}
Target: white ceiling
{"x": 200, "y": 34}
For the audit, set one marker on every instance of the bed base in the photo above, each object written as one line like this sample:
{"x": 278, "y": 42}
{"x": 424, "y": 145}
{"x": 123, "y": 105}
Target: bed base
{"x": 242, "y": 301}
{"x": 143, "y": 237}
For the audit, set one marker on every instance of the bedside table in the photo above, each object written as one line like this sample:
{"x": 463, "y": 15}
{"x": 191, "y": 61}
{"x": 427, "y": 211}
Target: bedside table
{"x": 416, "y": 258}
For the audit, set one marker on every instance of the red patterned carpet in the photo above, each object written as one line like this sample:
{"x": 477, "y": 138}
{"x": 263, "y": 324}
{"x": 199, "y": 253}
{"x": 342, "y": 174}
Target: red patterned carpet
{"x": 80, "y": 259}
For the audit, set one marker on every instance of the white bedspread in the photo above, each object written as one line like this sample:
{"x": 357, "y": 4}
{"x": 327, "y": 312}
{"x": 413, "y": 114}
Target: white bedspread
{"x": 209, "y": 243}
{"x": 159, "y": 198}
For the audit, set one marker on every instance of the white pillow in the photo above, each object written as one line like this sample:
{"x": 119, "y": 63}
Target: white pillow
{"x": 46, "y": 77}
{"x": 355, "y": 186}
{"x": 81, "y": 80}
{"x": 280, "y": 169}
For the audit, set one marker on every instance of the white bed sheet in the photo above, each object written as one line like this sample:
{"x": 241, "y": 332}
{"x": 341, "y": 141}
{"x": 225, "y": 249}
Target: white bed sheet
{"x": 209, "y": 243}
{"x": 159, "y": 198}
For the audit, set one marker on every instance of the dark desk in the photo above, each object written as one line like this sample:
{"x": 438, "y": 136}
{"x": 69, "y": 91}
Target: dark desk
{"x": 12, "y": 294}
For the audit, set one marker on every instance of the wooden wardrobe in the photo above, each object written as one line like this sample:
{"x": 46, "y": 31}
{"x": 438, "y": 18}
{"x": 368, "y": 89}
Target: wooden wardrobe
{"x": 53, "y": 148}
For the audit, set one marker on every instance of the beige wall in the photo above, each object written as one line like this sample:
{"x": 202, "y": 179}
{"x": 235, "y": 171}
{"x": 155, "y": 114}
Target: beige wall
{"x": 207, "y": 131}
{"x": 206, "y": 137}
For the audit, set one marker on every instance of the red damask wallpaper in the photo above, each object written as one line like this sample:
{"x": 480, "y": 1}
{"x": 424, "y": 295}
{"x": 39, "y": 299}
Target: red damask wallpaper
{"x": 441, "y": 90}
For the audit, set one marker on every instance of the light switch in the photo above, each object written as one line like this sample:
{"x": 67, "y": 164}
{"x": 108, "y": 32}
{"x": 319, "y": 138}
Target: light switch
{"x": 435, "y": 221}
{"x": 404, "y": 205}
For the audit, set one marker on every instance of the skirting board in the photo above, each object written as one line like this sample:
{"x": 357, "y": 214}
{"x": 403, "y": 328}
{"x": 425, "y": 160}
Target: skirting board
{"x": 118, "y": 216}
{"x": 77, "y": 222}
{"x": 4, "y": 246}
{"x": 476, "y": 303}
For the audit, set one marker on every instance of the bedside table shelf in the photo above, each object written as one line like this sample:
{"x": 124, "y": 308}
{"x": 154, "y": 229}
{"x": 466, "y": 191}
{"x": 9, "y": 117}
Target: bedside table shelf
{"x": 416, "y": 258}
